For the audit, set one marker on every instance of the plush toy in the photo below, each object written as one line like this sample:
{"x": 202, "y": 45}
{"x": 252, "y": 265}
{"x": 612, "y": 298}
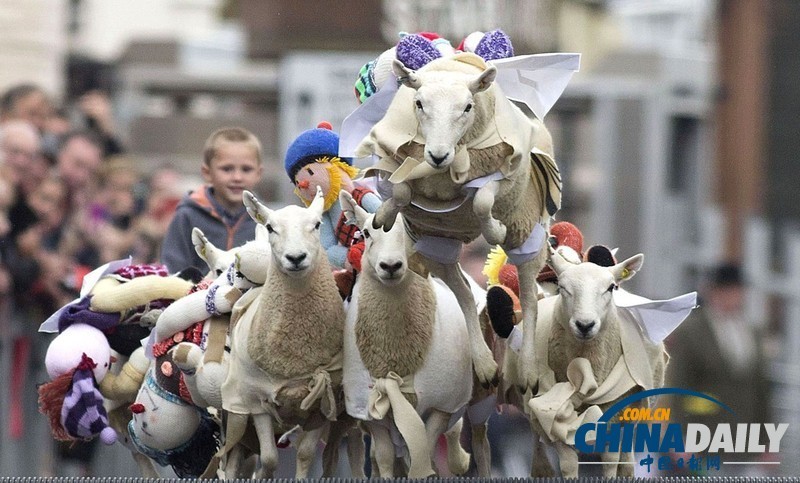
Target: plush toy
{"x": 119, "y": 303}
{"x": 312, "y": 161}
{"x": 72, "y": 400}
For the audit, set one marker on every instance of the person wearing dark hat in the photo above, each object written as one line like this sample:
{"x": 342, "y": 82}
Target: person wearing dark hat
{"x": 312, "y": 160}
{"x": 719, "y": 351}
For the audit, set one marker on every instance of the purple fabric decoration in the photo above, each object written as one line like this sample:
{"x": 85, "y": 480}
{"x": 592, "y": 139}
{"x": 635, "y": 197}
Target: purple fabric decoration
{"x": 211, "y": 307}
{"x": 80, "y": 312}
{"x": 83, "y": 414}
{"x": 414, "y": 51}
{"x": 495, "y": 45}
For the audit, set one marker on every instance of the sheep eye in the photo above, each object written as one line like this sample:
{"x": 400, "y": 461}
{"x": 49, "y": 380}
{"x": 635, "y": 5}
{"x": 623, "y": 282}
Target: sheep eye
{"x": 365, "y": 233}
{"x": 269, "y": 228}
{"x": 419, "y": 104}
{"x": 316, "y": 226}
{"x": 611, "y": 287}
{"x": 468, "y": 108}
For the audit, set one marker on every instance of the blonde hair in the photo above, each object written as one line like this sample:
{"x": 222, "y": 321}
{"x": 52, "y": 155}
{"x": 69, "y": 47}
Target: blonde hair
{"x": 230, "y": 134}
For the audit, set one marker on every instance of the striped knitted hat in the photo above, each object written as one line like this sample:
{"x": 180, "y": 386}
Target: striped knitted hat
{"x": 83, "y": 415}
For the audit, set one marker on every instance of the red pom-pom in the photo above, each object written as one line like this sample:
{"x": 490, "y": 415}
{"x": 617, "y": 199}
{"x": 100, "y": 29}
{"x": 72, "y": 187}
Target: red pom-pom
{"x": 137, "y": 408}
{"x": 567, "y": 234}
{"x": 354, "y": 255}
{"x": 430, "y": 35}
{"x": 325, "y": 125}
{"x": 508, "y": 276}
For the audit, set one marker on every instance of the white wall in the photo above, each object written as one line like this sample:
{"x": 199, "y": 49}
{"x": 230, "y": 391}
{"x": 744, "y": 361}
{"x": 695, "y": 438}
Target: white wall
{"x": 33, "y": 43}
{"x": 106, "y": 26}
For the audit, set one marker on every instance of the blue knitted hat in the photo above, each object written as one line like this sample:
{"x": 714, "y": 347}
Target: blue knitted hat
{"x": 311, "y": 145}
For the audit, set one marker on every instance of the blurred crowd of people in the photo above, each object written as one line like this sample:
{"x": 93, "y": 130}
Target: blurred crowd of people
{"x": 71, "y": 199}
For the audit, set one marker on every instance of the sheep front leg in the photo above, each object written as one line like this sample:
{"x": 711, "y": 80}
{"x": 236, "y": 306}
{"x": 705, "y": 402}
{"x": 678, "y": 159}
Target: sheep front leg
{"x": 266, "y": 441}
{"x": 435, "y": 426}
{"x": 530, "y": 311}
{"x": 493, "y": 230}
{"x": 567, "y": 460}
{"x": 481, "y": 450}
{"x": 457, "y": 457}
{"x": 387, "y": 212}
{"x": 610, "y": 461}
{"x": 483, "y": 362}
{"x": 306, "y": 450}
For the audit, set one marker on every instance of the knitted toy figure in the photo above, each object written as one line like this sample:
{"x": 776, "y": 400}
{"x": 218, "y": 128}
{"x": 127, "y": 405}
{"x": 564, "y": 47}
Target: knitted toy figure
{"x": 416, "y": 50}
{"x": 72, "y": 400}
{"x": 312, "y": 161}
{"x": 113, "y": 313}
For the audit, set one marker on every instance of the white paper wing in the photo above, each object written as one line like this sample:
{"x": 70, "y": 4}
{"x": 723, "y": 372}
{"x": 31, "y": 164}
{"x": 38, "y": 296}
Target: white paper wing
{"x": 357, "y": 125}
{"x": 658, "y": 318}
{"x": 537, "y": 80}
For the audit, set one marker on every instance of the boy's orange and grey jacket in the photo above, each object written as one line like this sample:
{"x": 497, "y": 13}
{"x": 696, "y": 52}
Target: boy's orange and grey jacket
{"x": 199, "y": 209}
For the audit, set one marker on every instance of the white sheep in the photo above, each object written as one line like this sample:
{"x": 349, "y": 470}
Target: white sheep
{"x": 449, "y": 127}
{"x": 582, "y": 332}
{"x": 286, "y": 346}
{"x": 403, "y": 351}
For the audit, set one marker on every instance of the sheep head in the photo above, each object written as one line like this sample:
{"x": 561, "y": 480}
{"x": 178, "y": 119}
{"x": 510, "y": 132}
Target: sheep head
{"x": 384, "y": 256}
{"x": 293, "y": 233}
{"x": 444, "y": 105}
{"x": 586, "y": 290}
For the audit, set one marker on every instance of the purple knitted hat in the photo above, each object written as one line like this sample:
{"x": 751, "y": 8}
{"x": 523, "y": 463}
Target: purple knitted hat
{"x": 83, "y": 414}
{"x": 495, "y": 45}
{"x": 414, "y": 51}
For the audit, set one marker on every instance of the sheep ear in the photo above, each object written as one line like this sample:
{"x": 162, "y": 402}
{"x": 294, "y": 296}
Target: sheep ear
{"x": 261, "y": 233}
{"x": 408, "y": 77}
{"x": 484, "y": 80}
{"x": 352, "y": 212}
{"x": 257, "y": 211}
{"x": 625, "y": 270}
{"x": 200, "y": 243}
{"x": 557, "y": 262}
{"x": 318, "y": 204}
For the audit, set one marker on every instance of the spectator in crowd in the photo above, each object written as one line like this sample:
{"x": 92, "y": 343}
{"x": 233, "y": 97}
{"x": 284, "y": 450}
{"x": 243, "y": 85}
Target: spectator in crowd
{"x": 78, "y": 160}
{"x": 231, "y": 164}
{"x": 96, "y": 110}
{"x": 20, "y": 153}
{"x": 162, "y": 195}
{"x": 719, "y": 352}
{"x": 27, "y": 102}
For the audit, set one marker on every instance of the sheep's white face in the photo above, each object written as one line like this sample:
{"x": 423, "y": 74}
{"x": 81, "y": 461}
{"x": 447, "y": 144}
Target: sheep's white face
{"x": 445, "y": 108}
{"x": 384, "y": 252}
{"x": 293, "y": 233}
{"x": 586, "y": 290}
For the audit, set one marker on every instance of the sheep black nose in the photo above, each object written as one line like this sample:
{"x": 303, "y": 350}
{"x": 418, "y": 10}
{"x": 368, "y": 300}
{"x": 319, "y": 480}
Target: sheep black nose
{"x": 391, "y": 268}
{"x": 296, "y": 259}
{"x": 584, "y": 327}
{"x": 437, "y": 160}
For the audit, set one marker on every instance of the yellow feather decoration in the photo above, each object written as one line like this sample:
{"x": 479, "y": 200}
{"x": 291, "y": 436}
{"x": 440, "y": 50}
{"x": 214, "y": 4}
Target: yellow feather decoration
{"x": 494, "y": 262}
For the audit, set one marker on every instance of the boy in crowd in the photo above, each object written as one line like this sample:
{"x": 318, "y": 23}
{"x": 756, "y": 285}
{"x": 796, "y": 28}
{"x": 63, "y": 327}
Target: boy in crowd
{"x": 231, "y": 164}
